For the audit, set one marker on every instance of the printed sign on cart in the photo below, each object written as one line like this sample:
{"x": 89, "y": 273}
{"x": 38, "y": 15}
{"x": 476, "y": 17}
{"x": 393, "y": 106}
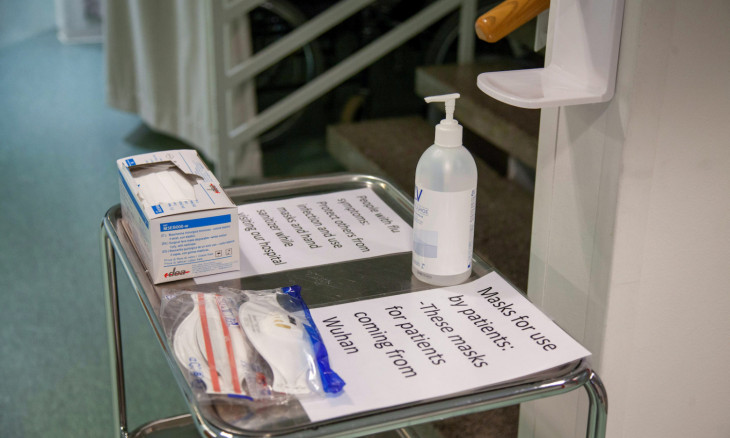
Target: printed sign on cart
{"x": 316, "y": 230}
{"x": 406, "y": 348}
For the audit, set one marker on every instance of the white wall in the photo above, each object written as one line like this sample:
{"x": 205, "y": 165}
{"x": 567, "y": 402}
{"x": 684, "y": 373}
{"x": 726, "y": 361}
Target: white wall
{"x": 631, "y": 234}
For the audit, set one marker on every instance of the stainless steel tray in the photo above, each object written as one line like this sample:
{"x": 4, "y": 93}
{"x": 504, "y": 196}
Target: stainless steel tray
{"x": 324, "y": 285}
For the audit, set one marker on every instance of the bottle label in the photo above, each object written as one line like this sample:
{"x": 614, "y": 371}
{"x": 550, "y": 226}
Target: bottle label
{"x": 443, "y": 231}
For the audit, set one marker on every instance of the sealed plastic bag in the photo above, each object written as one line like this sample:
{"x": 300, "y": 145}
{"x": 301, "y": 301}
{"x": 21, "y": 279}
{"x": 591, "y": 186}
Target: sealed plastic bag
{"x": 210, "y": 346}
{"x": 251, "y": 345}
{"x": 279, "y": 326}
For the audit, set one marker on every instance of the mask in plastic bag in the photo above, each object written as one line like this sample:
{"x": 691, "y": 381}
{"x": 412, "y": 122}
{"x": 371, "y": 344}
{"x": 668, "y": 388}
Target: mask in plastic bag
{"x": 279, "y": 326}
{"x": 211, "y": 345}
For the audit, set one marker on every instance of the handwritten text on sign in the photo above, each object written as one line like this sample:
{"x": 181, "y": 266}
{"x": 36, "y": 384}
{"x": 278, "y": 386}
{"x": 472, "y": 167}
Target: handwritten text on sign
{"x": 316, "y": 230}
{"x": 415, "y": 346}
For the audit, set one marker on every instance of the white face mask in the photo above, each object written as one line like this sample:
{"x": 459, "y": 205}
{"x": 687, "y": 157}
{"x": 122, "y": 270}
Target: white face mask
{"x": 283, "y": 342}
{"x": 162, "y": 183}
{"x": 262, "y": 348}
{"x": 210, "y": 345}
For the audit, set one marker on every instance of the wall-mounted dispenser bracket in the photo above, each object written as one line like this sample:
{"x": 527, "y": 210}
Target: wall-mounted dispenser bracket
{"x": 581, "y": 63}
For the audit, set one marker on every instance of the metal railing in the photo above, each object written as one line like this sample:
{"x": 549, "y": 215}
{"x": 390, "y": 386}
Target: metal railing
{"x": 228, "y": 77}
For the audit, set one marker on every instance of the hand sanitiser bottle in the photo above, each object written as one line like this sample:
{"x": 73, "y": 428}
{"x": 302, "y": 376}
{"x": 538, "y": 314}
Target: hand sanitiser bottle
{"x": 444, "y": 205}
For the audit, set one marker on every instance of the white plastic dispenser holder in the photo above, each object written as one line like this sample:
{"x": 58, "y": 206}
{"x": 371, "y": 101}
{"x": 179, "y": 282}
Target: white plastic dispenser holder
{"x": 444, "y": 204}
{"x": 581, "y": 61}
{"x": 449, "y": 132}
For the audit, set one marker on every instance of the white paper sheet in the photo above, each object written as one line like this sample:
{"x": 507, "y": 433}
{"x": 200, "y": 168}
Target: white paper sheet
{"x": 410, "y": 347}
{"x": 315, "y": 230}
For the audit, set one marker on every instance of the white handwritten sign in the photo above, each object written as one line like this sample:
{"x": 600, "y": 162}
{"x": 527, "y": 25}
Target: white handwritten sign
{"x": 415, "y": 346}
{"x": 316, "y": 230}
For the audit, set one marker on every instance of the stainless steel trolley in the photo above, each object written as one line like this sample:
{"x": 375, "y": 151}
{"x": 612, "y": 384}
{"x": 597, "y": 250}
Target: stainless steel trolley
{"x": 386, "y": 275}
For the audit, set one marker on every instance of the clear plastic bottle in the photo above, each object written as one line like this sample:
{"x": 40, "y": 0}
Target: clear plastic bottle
{"x": 444, "y": 205}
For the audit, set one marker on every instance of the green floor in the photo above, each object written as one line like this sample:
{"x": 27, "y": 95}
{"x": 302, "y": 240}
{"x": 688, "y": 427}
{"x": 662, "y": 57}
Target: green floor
{"x": 58, "y": 146}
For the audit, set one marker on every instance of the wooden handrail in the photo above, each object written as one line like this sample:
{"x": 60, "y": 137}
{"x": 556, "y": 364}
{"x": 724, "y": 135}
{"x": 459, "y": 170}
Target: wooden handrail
{"x": 507, "y": 16}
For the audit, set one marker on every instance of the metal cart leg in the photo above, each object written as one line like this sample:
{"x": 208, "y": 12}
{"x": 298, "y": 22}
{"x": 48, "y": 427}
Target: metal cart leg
{"x": 598, "y": 407}
{"x": 162, "y": 424}
{"x": 114, "y": 332}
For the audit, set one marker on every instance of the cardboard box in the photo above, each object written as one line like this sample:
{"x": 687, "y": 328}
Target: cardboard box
{"x": 182, "y": 223}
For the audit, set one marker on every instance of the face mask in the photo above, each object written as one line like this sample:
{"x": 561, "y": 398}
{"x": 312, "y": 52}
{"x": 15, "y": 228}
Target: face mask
{"x": 161, "y": 183}
{"x": 257, "y": 345}
{"x": 210, "y": 345}
{"x": 283, "y": 343}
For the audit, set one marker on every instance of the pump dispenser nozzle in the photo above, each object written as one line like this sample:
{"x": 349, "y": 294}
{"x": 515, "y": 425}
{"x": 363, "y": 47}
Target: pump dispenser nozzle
{"x": 449, "y": 131}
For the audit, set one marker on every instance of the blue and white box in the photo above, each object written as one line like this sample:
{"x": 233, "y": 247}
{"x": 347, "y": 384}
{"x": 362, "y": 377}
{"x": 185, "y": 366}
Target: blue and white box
{"x": 181, "y": 222}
